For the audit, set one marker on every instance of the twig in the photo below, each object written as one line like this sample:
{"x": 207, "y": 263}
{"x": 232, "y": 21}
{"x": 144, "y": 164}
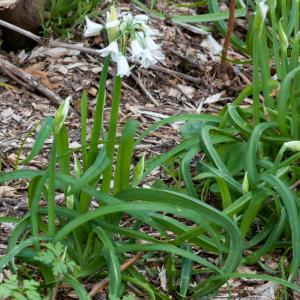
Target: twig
{"x": 230, "y": 26}
{"x": 102, "y": 284}
{"x": 91, "y": 51}
{"x": 144, "y": 90}
{"x": 176, "y": 74}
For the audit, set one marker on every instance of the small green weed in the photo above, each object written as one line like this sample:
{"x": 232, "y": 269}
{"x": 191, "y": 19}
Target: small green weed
{"x": 13, "y": 289}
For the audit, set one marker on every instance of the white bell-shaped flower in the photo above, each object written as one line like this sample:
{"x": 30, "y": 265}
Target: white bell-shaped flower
{"x": 136, "y": 49}
{"x": 122, "y": 66}
{"x": 92, "y": 28}
{"x": 158, "y": 55}
{"x": 148, "y": 59}
{"x": 112, "y": 49}
{"x": 127, "y": 17}
{"x": 150, "y": 44}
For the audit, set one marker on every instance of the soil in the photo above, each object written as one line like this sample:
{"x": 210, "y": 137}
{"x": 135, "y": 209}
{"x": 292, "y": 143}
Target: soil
{"x": 197, "y": 87}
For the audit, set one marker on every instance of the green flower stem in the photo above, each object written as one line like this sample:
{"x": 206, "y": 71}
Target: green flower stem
{"x": 97, "y": 126}
{"x": 112, "y": 132}
{"x": 51, "y": 189}
{"x": 98, "y": 118}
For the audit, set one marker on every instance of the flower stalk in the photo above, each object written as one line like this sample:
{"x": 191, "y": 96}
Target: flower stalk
{"x": 112, "y": 133}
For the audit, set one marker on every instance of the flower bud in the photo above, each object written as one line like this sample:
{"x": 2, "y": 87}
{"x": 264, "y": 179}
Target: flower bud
{"x": 282, "y": 36}
{"x": 245, "y": 185}
{"x": 61, "y": 115}
{"x": 112, "y": 24}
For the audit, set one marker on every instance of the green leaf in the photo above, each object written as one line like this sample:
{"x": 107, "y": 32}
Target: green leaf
{"x": 93, "y": 172}
{"x": 125, "y": 152}
{"x": 186, "y": 272}
{"x": 43, "y": 135}
{"x": 113, "y": 262}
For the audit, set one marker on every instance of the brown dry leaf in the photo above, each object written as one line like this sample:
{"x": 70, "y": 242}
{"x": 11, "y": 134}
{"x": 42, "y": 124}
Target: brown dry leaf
{"x": 35, "y": 70}
{"x": 174, "y": 93}
{"x": 7, "y": 191}
{"x": 188, "y": 91}
{"x": 11, "y": 159}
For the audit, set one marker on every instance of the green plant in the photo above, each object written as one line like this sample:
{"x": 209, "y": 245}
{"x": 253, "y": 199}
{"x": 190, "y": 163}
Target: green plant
{"x": 93, "y": 239}
{"x": 12, "y": 289}
{"x": 61, "y": 16}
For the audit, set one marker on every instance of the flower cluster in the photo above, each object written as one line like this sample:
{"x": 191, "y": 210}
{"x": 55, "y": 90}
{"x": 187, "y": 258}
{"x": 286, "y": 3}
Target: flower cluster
{"x": 131, "y": 29}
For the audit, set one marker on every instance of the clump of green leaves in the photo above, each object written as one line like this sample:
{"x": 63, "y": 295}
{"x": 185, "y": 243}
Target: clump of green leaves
{"x": 55, "y": 255}
{"x": 13, "y": 289}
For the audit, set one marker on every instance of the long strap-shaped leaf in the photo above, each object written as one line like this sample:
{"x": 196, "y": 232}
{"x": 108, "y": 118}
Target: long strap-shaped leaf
{"x": 251, "y": 156}
{"x": 113, "y": 262}
{"x": 210, "y": 213}
{"x": 289, "y": 203}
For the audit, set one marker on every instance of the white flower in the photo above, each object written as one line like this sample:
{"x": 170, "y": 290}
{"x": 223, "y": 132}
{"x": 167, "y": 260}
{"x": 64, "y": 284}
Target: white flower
{"x": 122, "y": 66}
{"x": 150, "y": 44}
{"x": 148, "y": 30}
{"x": 112, "y": 49}
{"x": 264, "y": 8}
{"x": 112, "y": 24}
{"x": 158, "y": 55}
{"x": 92, "y": 28}
{"x": 127, "y": 17}
{"x": 148, "y": 59}
{"x": 136, "y": 49}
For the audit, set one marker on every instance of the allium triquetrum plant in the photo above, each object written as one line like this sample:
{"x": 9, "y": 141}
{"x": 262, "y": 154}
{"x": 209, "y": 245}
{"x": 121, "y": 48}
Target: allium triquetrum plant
{"x": 86, "y": 243}
{"x": 121, "y": 32}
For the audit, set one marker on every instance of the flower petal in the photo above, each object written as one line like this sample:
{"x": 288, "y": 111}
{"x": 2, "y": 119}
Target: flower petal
{"x": 150, "y": 44}
{"x": 92, "y": 28}
{"x": 148, "y": 59}
{"x": 122, "y": 66}
{"x": 158, "y": 55}
{"x": 111, "y": 49}
{"x": 136, "y": 49}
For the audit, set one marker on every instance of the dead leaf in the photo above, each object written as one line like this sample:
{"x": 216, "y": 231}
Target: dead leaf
{"x": 6, "y": 191}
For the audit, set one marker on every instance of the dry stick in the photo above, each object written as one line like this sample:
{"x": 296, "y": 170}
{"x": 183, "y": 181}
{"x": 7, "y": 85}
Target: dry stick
{"x": 91, "y": 51}
{"x": 230, "y": 26}
{"x": 143, "y": 88}
{"x": 102, "y": 284}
